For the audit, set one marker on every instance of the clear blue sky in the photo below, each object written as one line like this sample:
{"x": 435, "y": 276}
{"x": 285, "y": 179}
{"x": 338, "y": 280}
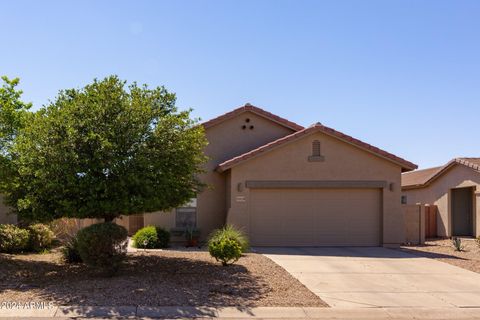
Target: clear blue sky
{"x": 401, "y": 75}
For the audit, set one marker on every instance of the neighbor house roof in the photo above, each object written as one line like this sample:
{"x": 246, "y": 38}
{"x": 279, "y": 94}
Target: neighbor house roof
{"x": 406, "y": 165}
{"x": 249, "y": 108}
{"x": 421, "y": 178}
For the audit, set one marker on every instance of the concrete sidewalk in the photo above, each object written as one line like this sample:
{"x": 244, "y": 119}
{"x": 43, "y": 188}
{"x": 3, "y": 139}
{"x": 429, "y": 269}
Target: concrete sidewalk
{"x": 243, "y": 313}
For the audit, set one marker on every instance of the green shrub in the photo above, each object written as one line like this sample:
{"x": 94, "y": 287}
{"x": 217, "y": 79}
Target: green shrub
{"x": 103, "y": 246}
{"x": 478, "y": 241}
{"x": 145, "y": 238}
{"x": 13, "y": 239}
{"x": 226, "y": 245}
{"x": 70, "y": 251}
{"x": 151, "y": 237}
{"x": 41, "y": 237}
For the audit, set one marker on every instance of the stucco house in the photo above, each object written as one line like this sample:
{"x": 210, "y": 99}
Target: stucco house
{"x": 454, "y": 188}
{"x": 286, "y": 185}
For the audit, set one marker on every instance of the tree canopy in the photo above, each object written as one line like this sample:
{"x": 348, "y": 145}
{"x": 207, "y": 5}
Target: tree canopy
{"x": 106, "y": 150}
{"x": 13, "y": 112}
{"x": 13, "y": 116}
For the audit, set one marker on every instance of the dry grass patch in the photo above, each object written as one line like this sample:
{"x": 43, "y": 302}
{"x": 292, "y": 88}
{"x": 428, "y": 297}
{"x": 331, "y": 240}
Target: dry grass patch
{"x": 165, "y": 278}
{"x": 443, "y": 250}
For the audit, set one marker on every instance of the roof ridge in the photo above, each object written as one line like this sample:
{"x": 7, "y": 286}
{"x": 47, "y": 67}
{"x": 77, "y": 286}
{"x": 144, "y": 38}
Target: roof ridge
{"x": 249, "y": 107}
{"x": 468, "y": 163}
{"x": 439, "y": 170}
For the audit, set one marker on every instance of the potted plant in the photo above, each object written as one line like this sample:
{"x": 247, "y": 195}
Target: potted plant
{"x": 192, "y": 235}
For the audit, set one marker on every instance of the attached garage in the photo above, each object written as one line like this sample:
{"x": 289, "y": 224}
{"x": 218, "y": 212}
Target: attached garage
{"x": 316, "y": 187}
{"x": 315, "y": 217}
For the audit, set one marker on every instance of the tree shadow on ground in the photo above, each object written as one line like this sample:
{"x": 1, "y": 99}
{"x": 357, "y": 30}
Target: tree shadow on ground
{"x": 430, "y": 255}
{"x": 144, "y": 280}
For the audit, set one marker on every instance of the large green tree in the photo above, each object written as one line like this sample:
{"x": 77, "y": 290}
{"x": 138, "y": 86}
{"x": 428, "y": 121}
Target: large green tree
{"x": 13, "y": 116}
{"x": 106, "y": 150}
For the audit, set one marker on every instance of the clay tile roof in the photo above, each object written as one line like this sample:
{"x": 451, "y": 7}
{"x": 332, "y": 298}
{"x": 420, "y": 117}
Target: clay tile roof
{"x": 256, "y": 110}
{"x": 473, "y": 163}
{"x": 406, "y": 165}
{"x": 421, "y": 178}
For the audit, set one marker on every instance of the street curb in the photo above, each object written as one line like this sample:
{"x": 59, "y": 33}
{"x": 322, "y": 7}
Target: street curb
{"x": 172, "y": 312}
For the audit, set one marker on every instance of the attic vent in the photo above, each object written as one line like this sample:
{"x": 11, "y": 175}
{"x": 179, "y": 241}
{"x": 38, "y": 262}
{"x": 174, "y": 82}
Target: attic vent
{"x": 316, "y": 148}
{"x": 316, "y": 152}
{"x": 251, "y": 127}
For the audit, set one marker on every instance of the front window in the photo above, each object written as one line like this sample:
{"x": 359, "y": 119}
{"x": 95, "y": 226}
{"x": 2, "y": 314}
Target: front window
{"x": 186, "y": 216}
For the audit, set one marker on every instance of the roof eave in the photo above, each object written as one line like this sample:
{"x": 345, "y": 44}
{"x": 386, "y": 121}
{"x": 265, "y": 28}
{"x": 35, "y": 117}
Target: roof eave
{"x": 441, "y": 171}
{"x": 404, "y": 164}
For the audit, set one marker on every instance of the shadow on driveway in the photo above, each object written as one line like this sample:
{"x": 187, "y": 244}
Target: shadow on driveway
{"x": 353, "y": 252}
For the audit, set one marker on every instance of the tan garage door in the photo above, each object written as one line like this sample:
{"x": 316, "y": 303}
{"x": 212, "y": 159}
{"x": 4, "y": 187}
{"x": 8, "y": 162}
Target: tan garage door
{"x": 315, "y": 217}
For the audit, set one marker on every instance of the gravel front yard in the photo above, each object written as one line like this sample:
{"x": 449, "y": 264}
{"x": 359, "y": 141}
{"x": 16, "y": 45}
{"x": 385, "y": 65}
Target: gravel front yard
{"x": 443, "y": 250}
{"x": 165, "y": 278}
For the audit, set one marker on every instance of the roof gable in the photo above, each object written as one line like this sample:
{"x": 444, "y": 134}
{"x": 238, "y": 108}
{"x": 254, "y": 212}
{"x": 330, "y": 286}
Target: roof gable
{"x": 406, "y": 165}
{"x": 248, "y": 107}
{"x": 422, "y": 178}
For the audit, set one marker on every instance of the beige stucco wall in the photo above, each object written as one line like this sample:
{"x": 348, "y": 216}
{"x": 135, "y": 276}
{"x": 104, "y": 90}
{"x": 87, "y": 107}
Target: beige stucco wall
{"x": 342, "y": 162}
{"x": 414, "y": 217}
{"x": 438, "y": 193}
{"x": 225, "y": 141}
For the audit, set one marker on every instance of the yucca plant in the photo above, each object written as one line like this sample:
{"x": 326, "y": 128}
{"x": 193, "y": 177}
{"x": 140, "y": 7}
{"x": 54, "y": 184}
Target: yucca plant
{"x": 227, "y": 244}
{"x": 457, "y": 244}
{"x": 229, "y": 231}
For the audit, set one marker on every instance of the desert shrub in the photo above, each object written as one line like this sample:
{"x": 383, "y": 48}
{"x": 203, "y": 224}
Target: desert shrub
{"x": 151, "y": 237}
{"x": 70, "y": 251}
{"x": 457, "y": 244}
{"x": 225, "y": 250}
{"x": 226, "y": 245}
{"x": 13, "y": 239}
{"x": 103, "y": 246}
{"x": 41, "y": 237}
{"x": 478, "y": 241}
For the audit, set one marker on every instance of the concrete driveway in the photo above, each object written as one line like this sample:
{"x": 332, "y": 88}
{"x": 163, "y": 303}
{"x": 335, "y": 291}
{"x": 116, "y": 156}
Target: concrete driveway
{"x": 378, "y": 277}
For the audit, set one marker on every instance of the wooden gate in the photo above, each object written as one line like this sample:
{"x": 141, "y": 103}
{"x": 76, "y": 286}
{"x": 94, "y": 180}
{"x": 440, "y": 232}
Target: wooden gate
{"x": 430, "y": 221}
{"x": 136, "y": 222}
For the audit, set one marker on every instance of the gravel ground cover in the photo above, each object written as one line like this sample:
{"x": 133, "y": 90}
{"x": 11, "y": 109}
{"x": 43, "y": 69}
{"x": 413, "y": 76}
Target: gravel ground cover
{"x": 161, "y": 278}
{"x": 442, "y": 250}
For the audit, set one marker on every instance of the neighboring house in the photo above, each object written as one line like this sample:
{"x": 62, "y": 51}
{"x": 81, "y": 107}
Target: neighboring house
{"x": 286, "y": 185}
{"x": 454, "y": 188}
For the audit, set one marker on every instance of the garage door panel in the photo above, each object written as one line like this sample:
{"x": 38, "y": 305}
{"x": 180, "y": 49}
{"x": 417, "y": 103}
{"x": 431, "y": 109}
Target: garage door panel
{"x": 315, "y": 217}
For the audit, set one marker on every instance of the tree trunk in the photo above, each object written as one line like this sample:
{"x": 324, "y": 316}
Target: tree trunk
{"x": 109, "y": 218}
